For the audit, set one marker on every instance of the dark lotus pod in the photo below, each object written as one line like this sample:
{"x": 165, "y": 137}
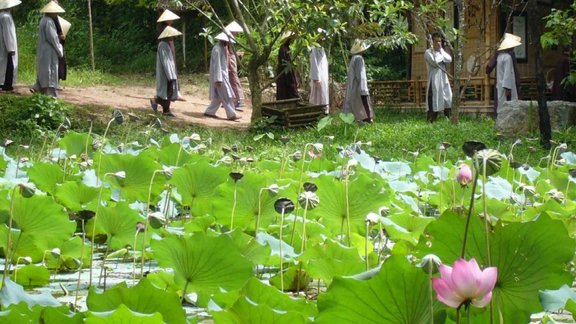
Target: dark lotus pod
{"x": 156, "y": 220}
{"x": 140, "y": 227}
{"x": 27, "y": 190}
{"x": 515, "y": 165}
{"x": 249, "y": 160}
{"x": 284, "y": 139}
{"x": 572, "y": 173}
{"x": 446, "y": 144}
{"x": 249, "y": 148}
{"x": 156, "y": 123}
{"x": 118, "y": 116}
{"x": 235, "y": 157}
{"x": 66, "y": 123}
{"x": 86, "y": 214}
{"x": 471, "y": 147}
{"x": 234, "y": 148}
{"x": 283, "y": 205}
{"x": 492, "y": 158}
{"x": 531, "y": 149}
{"x": 133, "y": 117}
{"x": 236, "y": 176}
{"x": 7, "y": 142}
{"x": 309, "y": 186}
{"x": 226, "y": 150}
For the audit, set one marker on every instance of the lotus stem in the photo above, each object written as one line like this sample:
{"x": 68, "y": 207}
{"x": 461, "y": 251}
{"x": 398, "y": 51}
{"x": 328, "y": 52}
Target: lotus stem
{"x": 87, "y": 139}
{"x": 259, "y": 211}
{"x": 431, "y": 290}
{"x": 347, "y": 205}
{"x": 8, "y": 256}
{"x": 366, "y": 246}
{"x": 281, "y": 252}
{"x": 234, "y": 205}
{"x": 470, "y": 208}
{"x": 147, "y": 224}
{"x": 103, "y": 269}
{"x": 81, "y": 263}
{"x": 485, "y": 210}
{"x": 299, "y": 192}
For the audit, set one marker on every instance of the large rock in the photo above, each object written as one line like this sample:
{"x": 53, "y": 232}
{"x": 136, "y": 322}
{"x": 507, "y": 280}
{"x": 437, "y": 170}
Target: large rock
{"x": 520, "y": 118}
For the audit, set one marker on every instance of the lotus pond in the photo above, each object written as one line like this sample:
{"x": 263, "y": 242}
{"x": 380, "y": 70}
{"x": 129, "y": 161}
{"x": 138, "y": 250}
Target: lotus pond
{"x": 175, "y": 230}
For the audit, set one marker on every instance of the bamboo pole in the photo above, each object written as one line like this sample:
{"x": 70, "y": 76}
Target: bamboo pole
{"x": 91, "y": 35}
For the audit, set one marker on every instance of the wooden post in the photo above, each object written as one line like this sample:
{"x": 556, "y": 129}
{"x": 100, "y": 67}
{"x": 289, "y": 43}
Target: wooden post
{"x": 184, "y": 42}
{"x": 91, "y": 35}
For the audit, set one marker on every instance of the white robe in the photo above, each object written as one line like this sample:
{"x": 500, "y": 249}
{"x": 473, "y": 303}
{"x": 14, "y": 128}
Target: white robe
{"x": 437, "y": 63}
{"x": 47, "y": 54}
{"x": 319, "y": 71}
{"x": 8, "y": 43}
{"x": 219, "y": 73}
{"x": 356, "y": 87}
{"x": 165, "y": 71}
{"x": 505, "y": 78}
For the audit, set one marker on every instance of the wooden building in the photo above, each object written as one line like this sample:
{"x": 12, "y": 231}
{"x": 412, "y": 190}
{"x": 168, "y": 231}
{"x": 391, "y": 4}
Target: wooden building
{"x": 485, "y": 25}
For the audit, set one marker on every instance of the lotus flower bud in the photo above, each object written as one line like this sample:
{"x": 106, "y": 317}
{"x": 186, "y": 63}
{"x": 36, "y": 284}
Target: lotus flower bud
{"x": 430, "y": 262}
{"x": 464, "y": 176}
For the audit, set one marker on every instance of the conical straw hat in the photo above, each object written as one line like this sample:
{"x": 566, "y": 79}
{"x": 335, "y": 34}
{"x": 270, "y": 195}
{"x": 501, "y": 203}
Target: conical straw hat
{"x": 169, "y": 32}
{"x": 5, "y": 4}
{"x": 359, "y": 47}
{"x": 52, "y": 7}
{"x": 234, "y": 27}
{"x": 168, "y": 15}
{"x": 509, "y": 41}
{"x": 224, "y": 37}
{"x": 287, "y": 34}
{"x": 65, "y": 25}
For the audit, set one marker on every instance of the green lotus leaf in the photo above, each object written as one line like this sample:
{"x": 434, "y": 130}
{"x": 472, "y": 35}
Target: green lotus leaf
{"x": 163, "y": 280}
{"x": 122, "y": 315}
{"x": 42, "y": 225}
{"x": 263, "y": 298}
{"x": 560, "y": 178}
{"x": 405, "y": 226}
{"x": 571, "y": 307}
{"x": 118, "y": 223}
{"x": 332, "y": 259}
{"x": 174, "y": 155}
{"x": 3, "y": 165}
{"x": 251, "y": 197}
{"x": 198, "y": 224}
{"x": 398, "y": 293}
{"x": 295, "y": 279}
{"x": 46, "y": 176}
{"x": 61, "y": 315}
{"x": 142, "y": 298}
{"x": 196, "y": 183}
{"x": 246, "y": 311}
{"x": 20, "y": 313}
{"x": 203, "y": 263}
{"x": 139, "y": 171}
{"x": 250, "y": 248}
{"x": 12, "y": 293}
{"x": 273, "y": 243}
{"x": 32, "y": 275}
{"x": 70, "y": 252}
{"x": 364, "y": 196}
{"x": 520, "y": 251}
{"x": 77, "y": 196}
{"x": 77, "y": 143}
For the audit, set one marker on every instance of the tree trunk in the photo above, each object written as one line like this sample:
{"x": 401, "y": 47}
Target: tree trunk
{"x": 255, "y": 89}
{"x": 535, "y": 31}
{"x": 91, "y": 35}
{"x": 458, "y": 59}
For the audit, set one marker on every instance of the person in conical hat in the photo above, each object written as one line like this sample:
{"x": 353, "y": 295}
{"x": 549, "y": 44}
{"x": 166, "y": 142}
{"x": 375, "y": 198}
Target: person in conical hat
{"x": 220, "y": 90}
{"x": 234, "y": 29}
{"x": 357, "y": 100}
{"x": 438, "y": 90}
{"x": 287, "y": 79}
{"x": 166, "y": 76}
{"x": 167, "y": 18}
{"x": 319, "y": 87}
{"x": 62, "y": 28}
{"x": 507, "y": 78}
{"x": 49, "y": 51}
{"x": 8, "y": 46}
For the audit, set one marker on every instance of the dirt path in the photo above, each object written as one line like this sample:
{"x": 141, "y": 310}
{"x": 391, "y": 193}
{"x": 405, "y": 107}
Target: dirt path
{"x": 131, "y": 98}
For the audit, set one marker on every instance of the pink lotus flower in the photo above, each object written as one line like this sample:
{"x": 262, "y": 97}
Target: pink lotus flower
{"x": 465, "y": 284}
{"x": 464, "y": 176}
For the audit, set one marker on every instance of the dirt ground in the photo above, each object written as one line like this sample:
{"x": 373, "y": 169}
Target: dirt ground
{"x": 137, "y": 98}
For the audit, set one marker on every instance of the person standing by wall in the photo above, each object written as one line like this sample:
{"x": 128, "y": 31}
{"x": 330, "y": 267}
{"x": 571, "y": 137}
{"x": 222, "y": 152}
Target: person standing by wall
{"x": 287, "y": 80}
{"x": 234, "y": 29}
{"x": 507, "y": 78}
{"x": 319, "y": 87}
{"x": 49, "y": 51}
{"x": 220, "y": 90}
{"x": 357, "y": 100}
{"x": 8, "y": 46}
{"x": 166, "y": 76}
{"x": 438, "y": 90}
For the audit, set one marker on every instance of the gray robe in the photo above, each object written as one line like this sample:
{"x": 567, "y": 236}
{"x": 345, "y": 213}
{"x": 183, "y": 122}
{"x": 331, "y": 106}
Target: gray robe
{"x": 356, "y": 87}
{"x": 165, "y": 71}
{"x": 8, "y": 43}
{"x": 47, "y": 54}
{"x": 219, "y": 73}
{"x": 319, "y": 71}
{"x": 505, "y": 78}
{"x": 436, "y": 62}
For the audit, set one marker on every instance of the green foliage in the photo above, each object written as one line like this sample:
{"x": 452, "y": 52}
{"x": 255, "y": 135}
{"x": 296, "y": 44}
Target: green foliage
{"x": 30, "y": 115}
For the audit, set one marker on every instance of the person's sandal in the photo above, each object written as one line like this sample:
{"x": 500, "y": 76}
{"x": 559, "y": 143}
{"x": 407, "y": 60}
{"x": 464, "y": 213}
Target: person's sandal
{"x": 235, "y": 118}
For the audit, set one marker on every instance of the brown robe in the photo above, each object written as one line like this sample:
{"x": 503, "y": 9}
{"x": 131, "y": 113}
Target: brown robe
{"x": 287, "y": 82}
